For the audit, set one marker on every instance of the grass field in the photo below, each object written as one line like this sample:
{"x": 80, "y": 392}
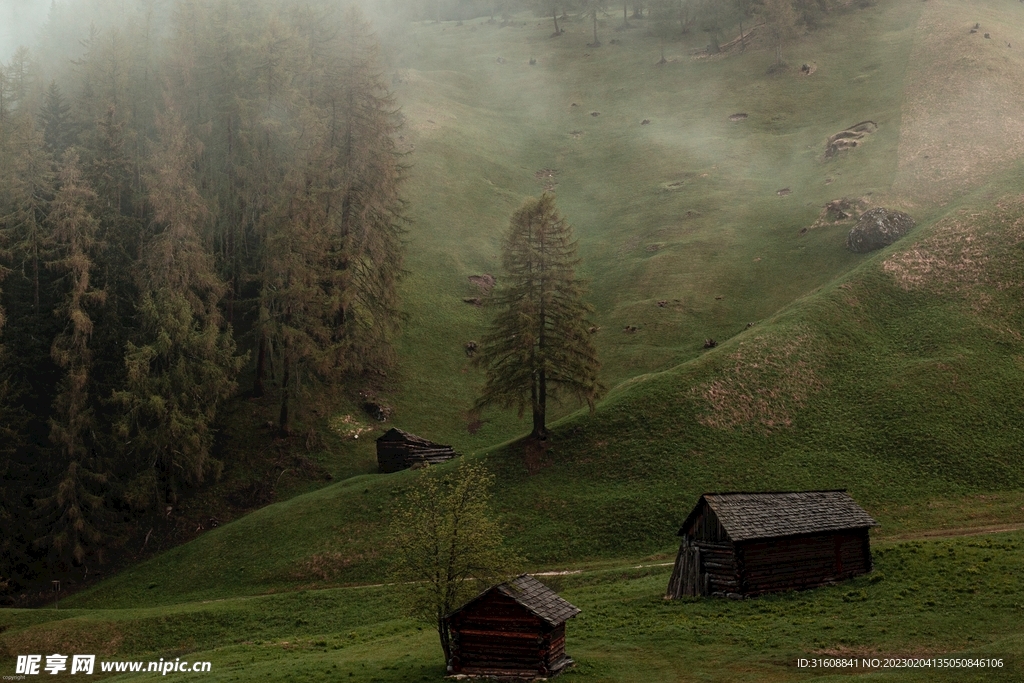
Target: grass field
{"x": 895, "y": 375}
{"x": 942, "y": 598}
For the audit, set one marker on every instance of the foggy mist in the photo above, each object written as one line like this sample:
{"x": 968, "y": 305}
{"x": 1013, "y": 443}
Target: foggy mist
{"x": 19, "y": 21}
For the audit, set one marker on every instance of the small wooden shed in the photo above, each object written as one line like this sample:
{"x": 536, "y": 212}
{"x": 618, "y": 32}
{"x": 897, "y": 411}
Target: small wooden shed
{"x": 398, "y": 450}
{"x": 743, "y": 544}
{"x": 514, "y": 629}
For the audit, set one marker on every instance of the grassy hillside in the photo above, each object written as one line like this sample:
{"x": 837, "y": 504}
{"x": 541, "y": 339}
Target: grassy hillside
{"x": 682, "y": 210}
{"x": 900, "y": 382}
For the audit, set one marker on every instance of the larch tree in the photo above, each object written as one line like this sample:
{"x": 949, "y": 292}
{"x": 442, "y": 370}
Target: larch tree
{"x": 331, "y": 245}
{"x": 539, "y": 342}
{"x": 779, "y": 18}
{"x": 590, "y": 8}
{"x": 447, "y": 544}
{"x": 182, "y": 364}
{"x": 552, "y": 8}
{"x": 74, "y": 504}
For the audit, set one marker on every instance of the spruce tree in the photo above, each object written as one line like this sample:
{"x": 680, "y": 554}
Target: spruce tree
{"x": 364, "y": 207}
{"x": 539, "y": 341}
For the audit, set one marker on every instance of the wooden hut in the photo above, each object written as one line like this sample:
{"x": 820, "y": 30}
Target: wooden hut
{"x": 398, "y": 450}
{"x": 742, "y": 544}
{"x": 514, "y": 629}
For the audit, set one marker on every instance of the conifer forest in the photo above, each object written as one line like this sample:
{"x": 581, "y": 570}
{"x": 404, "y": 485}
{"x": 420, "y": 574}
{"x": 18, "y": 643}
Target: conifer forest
{"x": 210, "y": 188}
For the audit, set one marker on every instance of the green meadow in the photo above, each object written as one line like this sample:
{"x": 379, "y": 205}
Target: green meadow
{"x": 942, "y": 599}
{"x": 895, "y": 375}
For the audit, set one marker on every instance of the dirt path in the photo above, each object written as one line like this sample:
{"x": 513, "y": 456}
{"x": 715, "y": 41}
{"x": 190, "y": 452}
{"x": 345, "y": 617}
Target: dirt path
{"x": 951, "y": 533}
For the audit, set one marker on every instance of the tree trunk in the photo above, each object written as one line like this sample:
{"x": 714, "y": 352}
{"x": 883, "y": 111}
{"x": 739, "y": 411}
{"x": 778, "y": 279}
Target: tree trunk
{"x": 35, "y": 278}
{"x": 283, "y": 424}
{"x": 743, "y": 42}
{"x": 596, "y": 42}
{"x": 258, "y": 390}
{"x": 446, "y": 640}
{"x": 540, "y": 406}
{"x": 554, "y": 15}
{"x": 625, "y": 17}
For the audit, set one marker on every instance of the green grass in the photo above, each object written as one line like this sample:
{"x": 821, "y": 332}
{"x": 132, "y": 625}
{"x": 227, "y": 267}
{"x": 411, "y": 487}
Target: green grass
{"x": 944, "y": 598}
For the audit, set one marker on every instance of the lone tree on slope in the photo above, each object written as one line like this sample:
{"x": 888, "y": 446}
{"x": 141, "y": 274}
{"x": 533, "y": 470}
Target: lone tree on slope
{"x": 539, "y": 340}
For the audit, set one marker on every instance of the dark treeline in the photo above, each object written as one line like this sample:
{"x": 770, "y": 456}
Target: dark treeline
{"x": 194, "y": 194}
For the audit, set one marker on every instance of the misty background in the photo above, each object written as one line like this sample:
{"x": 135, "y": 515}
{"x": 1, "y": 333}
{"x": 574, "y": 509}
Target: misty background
{"x": 19, "y": 22}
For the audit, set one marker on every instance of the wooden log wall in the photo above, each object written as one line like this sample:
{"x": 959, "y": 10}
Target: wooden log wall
{"x": 400, "y": 456}
{"x": 497, "y": 634}
{"x": 802, "y": 562}
{"x": 718, "y": 565}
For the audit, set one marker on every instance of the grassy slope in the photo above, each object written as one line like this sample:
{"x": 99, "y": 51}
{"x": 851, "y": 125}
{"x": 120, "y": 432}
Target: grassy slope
{"x": 908, "y": 398}
{"x": 720, "y": 246}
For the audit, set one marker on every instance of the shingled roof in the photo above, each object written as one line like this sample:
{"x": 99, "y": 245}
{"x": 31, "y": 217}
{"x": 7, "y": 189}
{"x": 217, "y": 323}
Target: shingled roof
{"x": 396, "y": 434}
{"x": 749, "y": 516}
{"x": 535, "y": 597}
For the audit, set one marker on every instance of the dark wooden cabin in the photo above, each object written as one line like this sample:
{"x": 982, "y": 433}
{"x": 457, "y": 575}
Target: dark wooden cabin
{"x": 398, "y": 450}
{"x": 514, "y": 629}
{"x": 742, "y": 544}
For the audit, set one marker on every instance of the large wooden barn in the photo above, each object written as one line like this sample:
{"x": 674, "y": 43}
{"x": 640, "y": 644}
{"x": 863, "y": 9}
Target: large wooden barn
{"x": 742, "y": 544}
{"x": 514, "y": 629}
{"x": 398, "y": 450}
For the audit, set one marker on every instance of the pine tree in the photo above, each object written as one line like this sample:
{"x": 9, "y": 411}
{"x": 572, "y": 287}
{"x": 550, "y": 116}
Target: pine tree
{"x": 26, "y": 190}
{"x": 182, "y": 364}
{"x": 590, "y": 8}
{"x": 294, "y": 304}
{"x": 74, "y": 506}
{"x": 539, "y": 340}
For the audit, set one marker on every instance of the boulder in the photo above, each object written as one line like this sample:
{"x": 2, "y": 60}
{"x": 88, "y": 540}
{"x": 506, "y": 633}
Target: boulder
{"x": 877, "y": 228}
